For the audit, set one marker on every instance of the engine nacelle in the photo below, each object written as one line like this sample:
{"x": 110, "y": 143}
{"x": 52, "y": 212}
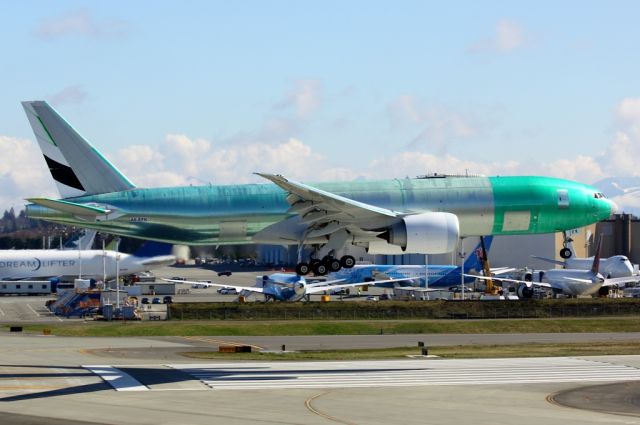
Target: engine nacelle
{"x": 426, "y": 233}
{"x": 383, "y": 248}
{"x": 525, "y": 292}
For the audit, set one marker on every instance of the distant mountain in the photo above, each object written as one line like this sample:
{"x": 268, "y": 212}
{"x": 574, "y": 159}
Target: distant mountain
{"x": 624, "y": 191}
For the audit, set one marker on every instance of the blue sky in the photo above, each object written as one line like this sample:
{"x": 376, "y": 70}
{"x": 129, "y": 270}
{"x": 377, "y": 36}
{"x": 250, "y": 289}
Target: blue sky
{"x": 184, "y": 92}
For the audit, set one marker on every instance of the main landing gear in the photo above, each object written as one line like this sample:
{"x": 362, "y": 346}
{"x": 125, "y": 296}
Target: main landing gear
{"x": 565, "y": 252}
{"x": 326, "y": 265}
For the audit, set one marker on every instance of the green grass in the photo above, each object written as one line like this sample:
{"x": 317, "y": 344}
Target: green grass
{"x": 350, "y": 327}
{"x": 468, "y": 351}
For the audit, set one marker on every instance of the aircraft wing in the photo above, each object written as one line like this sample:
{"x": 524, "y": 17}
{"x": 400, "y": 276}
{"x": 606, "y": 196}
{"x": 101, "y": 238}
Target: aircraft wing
{"x": 324, "y": 213}
{"x": 524, "y": 282}
{"x": 317, "y": 289}
{"x": 621, "y": 280}
{"x": 496, "y": 271}
{"x": 549, "y": 260}
{"x": 219, "y": 285}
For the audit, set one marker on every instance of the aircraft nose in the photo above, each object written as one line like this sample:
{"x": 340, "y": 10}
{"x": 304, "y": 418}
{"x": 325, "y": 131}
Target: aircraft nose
{"x": 614, "y": 207}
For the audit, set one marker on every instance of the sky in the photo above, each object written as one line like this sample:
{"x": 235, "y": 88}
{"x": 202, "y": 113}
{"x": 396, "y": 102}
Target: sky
{"x": 192, "y": 92}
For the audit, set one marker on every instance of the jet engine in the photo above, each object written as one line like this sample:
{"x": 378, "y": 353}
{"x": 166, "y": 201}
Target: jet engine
{"x": 426, "y": 233}
{"x": 525, "y": 292}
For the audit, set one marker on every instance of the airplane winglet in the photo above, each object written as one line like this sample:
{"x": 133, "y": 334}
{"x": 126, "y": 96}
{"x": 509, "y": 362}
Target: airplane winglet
{"x": 69, "y": 207}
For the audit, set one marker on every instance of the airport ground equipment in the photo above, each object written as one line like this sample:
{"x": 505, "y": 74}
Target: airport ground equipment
{"x": 424, "y": 215}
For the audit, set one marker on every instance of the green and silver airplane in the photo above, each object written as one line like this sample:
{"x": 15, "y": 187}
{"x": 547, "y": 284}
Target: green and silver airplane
{"x": 424, "y": 215}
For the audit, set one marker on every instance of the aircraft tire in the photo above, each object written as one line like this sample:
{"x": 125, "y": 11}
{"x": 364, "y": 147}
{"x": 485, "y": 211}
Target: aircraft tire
{"x": 334, "y": 265}
{"x": 347, "y": 261}
{"x": 565, "y": 253}
{"x": 320, "y": 269}
{"x": 302, "y": 269}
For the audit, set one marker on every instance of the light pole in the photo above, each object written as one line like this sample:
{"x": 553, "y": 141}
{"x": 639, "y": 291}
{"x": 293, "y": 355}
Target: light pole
{"x": 118, "y": 275}
{"x": 462, "y": 266}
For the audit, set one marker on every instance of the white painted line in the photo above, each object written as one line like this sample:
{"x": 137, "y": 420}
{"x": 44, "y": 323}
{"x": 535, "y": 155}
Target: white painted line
{"x": 358, "y": 374}
{"x": 119, "y": 380}
{"x": 1, "y": 312}
{"x": 34, "y": 312}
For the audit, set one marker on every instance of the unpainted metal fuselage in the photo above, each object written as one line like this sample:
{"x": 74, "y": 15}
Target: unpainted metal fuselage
{"x": 240, "y": 214}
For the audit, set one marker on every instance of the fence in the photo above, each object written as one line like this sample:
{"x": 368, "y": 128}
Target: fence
{"x": 414, "y": 310}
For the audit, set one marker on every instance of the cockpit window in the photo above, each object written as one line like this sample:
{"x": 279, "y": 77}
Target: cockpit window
{"x": 599, "y": 195}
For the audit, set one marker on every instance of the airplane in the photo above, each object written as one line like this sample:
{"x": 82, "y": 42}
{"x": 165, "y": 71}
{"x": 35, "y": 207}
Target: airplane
{"x": 413, "y": 276}
{"x": 281, "y": 286}
{"x": 571, "y": 282}
{"x": 28, "y": 264}
{"x": 612, "y": 267}
{"x": 424, "y": 215}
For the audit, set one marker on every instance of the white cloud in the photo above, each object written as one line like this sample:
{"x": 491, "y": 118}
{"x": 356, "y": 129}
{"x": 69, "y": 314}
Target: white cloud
{"x": 437, "y": 126}
{"x": 68, "y": 95}
{"x": 509, "y": 36}
{"x": 621, "y": 155}
{"x": 80, "y": 23}
{"x": 23, "y": 173}
{"x": 305, "y": 97}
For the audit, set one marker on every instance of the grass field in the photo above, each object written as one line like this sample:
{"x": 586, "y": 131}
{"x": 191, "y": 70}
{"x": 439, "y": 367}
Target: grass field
{"x": 351, "y": 327}
{"x": 475, "y": 351}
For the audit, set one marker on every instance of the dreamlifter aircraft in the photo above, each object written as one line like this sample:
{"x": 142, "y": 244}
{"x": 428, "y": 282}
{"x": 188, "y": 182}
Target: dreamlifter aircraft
{"x": 421, "y": 215}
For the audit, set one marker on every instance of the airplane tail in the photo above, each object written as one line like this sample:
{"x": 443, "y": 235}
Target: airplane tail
{"x": 474, "y": 261}
{"x": 83, "y": 240}
{"x": 75, "y": 165}
{"x": 595, "y": 267}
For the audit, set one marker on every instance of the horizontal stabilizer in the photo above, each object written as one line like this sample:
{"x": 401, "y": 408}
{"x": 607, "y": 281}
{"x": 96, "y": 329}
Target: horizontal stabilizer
{"x": 70, "y": 207}
{"x": 549, "y": 260}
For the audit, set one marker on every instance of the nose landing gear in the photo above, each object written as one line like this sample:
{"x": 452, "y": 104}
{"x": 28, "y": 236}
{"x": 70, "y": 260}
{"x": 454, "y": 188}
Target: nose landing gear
{"x": 565, "y": 252}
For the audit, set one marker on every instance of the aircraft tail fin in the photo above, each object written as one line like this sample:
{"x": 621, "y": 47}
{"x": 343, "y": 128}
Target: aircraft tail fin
{"x": 83, "y": 240}
{"x": 595, "y": 267}
{"x": 75, "y": 165}
{"x": 474, "y": 261}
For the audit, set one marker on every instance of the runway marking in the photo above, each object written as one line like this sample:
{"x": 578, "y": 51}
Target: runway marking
{"x": 231, "y": 376}
{"x": 220, "y": 342}
{"x": 119, "y": 380}
{"x": 32, "y": 309}
{"x": 315, "y": 411}
{"x": 1, "y": 312}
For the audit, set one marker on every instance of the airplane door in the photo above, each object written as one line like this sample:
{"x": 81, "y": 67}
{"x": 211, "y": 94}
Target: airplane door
{"x": 563, "y": 198}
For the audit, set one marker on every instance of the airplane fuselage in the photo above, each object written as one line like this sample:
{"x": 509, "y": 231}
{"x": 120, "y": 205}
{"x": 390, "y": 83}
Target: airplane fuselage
{"x": 561, "y": 279}
{"x": 439, "y": 276}
{"x": 66, "y": 264}
{"x": 240, "y": 214}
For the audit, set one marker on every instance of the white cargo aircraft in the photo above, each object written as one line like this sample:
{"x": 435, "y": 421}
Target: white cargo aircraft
{"x": 29, "y": 264}
{"x": 612, "y": 267}
{"x": 572, "y": 282}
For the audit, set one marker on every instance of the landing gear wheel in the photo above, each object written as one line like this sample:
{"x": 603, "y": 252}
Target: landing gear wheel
{"x": 326, "y": 259}
{"x": 320, "y": 269}
{"x": 334, "y": 265}
{"x": 313, "y": 262}
{"x": 348, "y": 261}
{"x": 302, "y": 269}
{"x": 565, "y": 253}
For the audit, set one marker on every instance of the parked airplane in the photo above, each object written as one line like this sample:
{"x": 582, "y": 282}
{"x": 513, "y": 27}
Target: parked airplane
{"x": 615, "y": 266}
{"x": 282, "y": 286}
{"x": 27, "y": 264}
{"x": 570, "y": 282}
{"x": 424, "y": 215}
{"x": 408, "y": 276}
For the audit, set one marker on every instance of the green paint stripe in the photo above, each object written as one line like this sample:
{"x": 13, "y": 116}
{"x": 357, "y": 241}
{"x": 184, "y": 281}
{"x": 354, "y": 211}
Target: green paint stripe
{"x": 47, "y": 131}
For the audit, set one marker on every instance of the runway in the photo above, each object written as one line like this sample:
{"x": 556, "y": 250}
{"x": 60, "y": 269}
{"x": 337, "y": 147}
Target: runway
{"x": 356, "y": 374}
{"x": 136, "y": 381}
